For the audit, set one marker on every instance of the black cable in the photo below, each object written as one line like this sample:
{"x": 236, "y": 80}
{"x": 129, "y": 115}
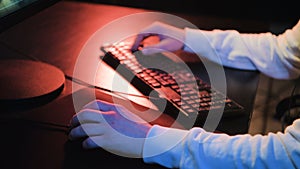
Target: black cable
{"x": 78, "y": 81}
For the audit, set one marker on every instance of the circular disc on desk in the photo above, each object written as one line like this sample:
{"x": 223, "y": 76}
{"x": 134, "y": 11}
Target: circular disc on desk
{"x": 27, "y": 84}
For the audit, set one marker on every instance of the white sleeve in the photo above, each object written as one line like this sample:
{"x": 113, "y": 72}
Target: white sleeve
{"x": 200, "y": 149}
{"x": 275, "y": 56}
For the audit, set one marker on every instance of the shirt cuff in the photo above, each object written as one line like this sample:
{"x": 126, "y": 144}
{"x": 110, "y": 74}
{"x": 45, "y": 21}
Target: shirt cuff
{"x": 164, "y": 146}
{"x": 198, "y": 41}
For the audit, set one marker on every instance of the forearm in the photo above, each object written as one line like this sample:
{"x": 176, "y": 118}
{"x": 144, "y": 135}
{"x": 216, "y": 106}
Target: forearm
{"x": 200, "y": 149}
{"x": 275, "y": 56}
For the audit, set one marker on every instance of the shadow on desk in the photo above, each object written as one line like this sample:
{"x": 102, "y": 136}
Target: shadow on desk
{"x": 77, "y": 158}
{"x": 38, "y": 138}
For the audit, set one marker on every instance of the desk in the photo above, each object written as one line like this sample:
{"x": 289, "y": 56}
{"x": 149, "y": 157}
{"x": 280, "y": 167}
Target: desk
{"x": 56, "y": 36}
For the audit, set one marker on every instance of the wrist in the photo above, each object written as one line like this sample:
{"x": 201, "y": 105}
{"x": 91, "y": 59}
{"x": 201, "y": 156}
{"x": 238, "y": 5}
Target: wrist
{"x": 163, "y": 146}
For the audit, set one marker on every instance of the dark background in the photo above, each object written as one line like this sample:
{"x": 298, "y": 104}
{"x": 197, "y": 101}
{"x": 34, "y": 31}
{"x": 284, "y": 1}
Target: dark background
{"x": 268, "y": 11}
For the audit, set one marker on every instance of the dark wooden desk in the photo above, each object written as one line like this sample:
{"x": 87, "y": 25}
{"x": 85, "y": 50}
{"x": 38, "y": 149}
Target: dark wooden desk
{"x": 56, "y": 36}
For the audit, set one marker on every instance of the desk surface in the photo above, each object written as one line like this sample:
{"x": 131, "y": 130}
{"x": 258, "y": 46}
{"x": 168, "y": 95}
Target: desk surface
{"x": 56, "y": 36}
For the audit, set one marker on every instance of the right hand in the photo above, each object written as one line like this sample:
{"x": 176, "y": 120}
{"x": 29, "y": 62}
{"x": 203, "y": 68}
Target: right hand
{"x": 111, "y": 127}
{"x": 170, "y": 38}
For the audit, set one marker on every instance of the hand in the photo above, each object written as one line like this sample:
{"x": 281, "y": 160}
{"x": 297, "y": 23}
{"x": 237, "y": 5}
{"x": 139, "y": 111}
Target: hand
{"x": 171, "y": 38}
{"x": 111, "y": 127}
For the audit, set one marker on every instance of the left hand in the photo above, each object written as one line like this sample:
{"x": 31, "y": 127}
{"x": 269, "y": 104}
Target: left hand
{"x": 171, "y": 38}
{"x": 111, "y": 127}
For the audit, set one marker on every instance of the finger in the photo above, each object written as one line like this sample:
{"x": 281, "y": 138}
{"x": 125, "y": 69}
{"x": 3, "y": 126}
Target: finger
{"x": 162, "y": 46}
{"x": 87, "y": 130}
{"x": 87, "y": 116}
{"x": 168, "y": 44}
{"x": 93, "y": 142}
{"x": 100, "y": 105}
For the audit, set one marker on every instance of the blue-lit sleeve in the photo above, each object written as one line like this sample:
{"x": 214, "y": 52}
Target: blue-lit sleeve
{"x": 275, "y": 56}
{"x": 200, "y": 149}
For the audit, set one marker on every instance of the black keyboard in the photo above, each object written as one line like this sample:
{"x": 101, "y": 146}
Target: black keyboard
{"x": 170, "y": 85}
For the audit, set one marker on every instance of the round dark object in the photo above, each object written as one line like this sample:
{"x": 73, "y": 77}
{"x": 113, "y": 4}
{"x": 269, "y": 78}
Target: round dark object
{"x": 26, "y": 84}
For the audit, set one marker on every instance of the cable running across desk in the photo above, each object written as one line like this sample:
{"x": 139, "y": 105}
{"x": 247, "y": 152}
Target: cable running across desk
{"x": 63, "y": 127}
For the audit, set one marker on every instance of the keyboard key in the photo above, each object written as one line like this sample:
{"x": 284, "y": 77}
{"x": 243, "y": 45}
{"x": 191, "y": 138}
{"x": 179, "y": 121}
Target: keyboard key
{"x": 180, "y": 87}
